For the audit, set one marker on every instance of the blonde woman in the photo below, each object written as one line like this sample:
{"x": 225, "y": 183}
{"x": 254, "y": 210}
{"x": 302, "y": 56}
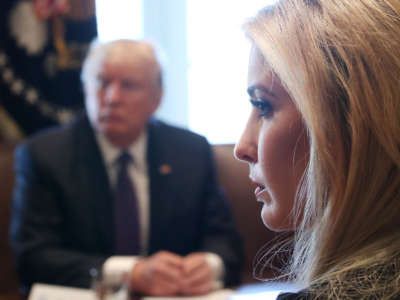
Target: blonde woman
{"x": 323, "y": 141}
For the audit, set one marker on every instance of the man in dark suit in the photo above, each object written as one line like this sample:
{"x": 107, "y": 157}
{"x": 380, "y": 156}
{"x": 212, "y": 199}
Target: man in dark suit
{"x": 67, "y": 217}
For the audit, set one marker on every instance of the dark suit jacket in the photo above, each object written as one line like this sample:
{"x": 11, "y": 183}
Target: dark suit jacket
{"x": 62, "y": 212}
{"x": 303, "y": 295}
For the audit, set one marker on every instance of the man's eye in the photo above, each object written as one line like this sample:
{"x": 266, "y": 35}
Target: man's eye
{"x": 103, "y": 82}
{"x": 263, "y": 106}
{"x": 128, "y": 85}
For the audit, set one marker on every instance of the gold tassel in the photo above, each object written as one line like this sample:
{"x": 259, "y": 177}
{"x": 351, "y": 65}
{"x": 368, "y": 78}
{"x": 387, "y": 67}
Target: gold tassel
{"x": 63, "y": 55}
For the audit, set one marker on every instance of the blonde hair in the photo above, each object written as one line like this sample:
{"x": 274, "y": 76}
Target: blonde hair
{"x": 340, "y": 62}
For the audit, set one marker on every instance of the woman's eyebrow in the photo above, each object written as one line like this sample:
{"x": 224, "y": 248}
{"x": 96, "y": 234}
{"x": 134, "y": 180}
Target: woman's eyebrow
{"x": 251, "y": 90}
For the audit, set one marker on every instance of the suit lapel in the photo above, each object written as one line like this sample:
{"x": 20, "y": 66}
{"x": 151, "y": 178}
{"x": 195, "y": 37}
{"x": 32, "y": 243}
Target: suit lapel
{"x": 161, "y": 175}
{"x": 94, "y": 183}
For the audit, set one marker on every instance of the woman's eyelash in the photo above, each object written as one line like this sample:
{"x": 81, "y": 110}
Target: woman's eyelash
{"x": 263, "y": 106}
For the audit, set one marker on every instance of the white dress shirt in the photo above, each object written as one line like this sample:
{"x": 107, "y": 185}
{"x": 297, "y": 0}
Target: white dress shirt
{"x": 116, "y": 266}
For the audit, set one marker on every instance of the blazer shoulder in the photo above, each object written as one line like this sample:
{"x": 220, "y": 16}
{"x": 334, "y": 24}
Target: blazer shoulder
{"x": 47, "y": 138}
{"x": 171, "y": 143}
{"x": 52, "y": 143}
{"x": 178, "y": 135}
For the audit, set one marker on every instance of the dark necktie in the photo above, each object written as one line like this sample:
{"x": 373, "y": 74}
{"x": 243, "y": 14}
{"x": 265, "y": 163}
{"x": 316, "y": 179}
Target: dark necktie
{"x": 126, "y": 210}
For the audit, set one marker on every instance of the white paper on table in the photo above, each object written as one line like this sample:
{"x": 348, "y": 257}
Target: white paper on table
{"x": 42, "y": 291}
{"x": 269, "y": 295}
{"x": 56, "y": 292}
{"x": 223, "y": 294}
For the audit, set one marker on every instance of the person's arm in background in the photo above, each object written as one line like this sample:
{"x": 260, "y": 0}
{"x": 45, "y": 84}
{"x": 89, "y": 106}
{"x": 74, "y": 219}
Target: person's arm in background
{"x": 220, "y": 238}
{"x": 36, "y": 229}
{"x": 167, "y": 274}
{"x": 159, "y": 274}
{"x": 218, "y": 259}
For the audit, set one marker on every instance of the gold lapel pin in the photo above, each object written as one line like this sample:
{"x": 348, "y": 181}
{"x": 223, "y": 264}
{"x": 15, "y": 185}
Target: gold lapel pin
{"x": 165, "y": 169}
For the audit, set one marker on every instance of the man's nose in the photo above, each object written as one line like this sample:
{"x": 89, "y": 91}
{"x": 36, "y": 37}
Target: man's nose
{"x": 113, "y": 93}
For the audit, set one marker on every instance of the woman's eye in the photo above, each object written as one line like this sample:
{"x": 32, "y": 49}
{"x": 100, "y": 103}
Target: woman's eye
{"x": 263, "y": 106}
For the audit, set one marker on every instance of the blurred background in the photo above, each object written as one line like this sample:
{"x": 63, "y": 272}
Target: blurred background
{"x": 202, "y": 44}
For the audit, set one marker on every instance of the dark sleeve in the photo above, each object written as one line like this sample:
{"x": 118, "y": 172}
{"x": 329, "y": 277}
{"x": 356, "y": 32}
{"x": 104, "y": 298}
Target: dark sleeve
{"x": 36, "y": 229}
{"x": 296, "y": 296}
{"x": 220, "y": 233}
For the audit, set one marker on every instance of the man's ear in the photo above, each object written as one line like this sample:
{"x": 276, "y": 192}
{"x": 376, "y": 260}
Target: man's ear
{"x": 158, "y": 94}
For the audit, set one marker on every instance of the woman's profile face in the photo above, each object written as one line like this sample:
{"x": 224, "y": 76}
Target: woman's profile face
{"x": 274, "y": 144}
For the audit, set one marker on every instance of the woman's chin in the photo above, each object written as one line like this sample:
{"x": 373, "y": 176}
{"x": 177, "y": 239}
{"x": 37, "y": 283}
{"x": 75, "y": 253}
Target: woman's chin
{"x": 272, "y": 220}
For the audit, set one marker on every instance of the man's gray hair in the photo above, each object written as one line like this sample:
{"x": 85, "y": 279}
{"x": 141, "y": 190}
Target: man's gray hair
{"x": 98, "y": 52}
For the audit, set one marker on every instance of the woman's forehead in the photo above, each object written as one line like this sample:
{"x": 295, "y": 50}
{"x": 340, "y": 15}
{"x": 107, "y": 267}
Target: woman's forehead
{"x": 259, "y": 70}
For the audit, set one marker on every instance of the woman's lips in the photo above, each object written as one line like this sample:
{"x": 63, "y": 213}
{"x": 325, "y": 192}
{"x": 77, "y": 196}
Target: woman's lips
{"x": 259, "y": 190}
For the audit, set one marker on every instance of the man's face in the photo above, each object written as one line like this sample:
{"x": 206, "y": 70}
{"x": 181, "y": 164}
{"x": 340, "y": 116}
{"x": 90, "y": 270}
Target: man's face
{"x": 124, "y": 94}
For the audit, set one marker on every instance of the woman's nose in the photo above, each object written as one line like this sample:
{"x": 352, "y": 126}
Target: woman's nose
{"x": 246, "y": 149}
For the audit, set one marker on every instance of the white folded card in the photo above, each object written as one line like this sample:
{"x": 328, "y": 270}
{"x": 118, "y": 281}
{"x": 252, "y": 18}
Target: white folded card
{"x": 223, "y": 294}
{"x": 56, "y": 292}
{"x": 41, "y": 291}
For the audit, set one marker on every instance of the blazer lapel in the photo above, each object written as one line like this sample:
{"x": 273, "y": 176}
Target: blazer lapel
{"x": 160, "y": 173}
{"x": 94, "y": 183}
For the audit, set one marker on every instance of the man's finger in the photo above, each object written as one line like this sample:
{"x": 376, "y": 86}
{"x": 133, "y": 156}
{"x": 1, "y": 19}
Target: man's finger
{"x": 163, "y": 287}
{"x": 167, "y": 270}
{"x": 201, "y": 276}
{"x": 170, "y": 258}
{"x": 193, "y": 262}
{"x": 197, "y": 290}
